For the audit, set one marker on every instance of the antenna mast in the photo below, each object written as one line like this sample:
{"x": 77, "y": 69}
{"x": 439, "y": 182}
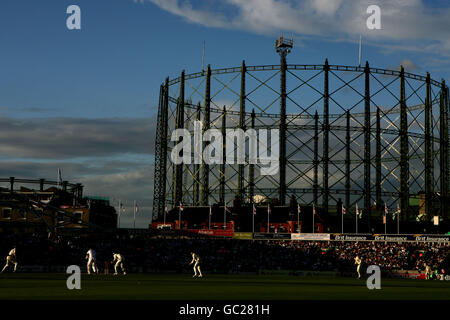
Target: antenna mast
{"x": 203, "y": 56}
{"x": 359, "y": 56}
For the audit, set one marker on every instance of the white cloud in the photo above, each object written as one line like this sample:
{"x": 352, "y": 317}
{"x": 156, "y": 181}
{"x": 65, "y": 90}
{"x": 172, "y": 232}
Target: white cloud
{"x": 327, "y": 7}
{"x": 76, "y": 137}
{"x": 409, "y": 65}
{"x": 406, "y": 24}
{"x": 186, "y": 10}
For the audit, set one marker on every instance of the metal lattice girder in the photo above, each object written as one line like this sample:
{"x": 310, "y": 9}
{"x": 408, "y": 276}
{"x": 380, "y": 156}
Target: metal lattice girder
{"x": 367, "y": 192}
{"x": 222, "y": 166}
{"x": 428, "y": 151}
{"x": 316, "y": 159}
{"x": 178, "y": 176}
{"x": 444, "y": 106}
{"x": 159, "y": 191}
{"x": 283, "y": 95}
{"x": 251, "y": 168}
{"x": 197, "y": 166}
{"x": 378, "y": 158}
{"x": 206, "y": 126}
{"x": 304, "y": 167}
{"x": 326, "y": 130}
{"x": 242, "y": 126}
{"x": 347, "y": 162}
{"x": 445, "y": 152}
{"x": 163, "y": 143}
{"x": 404, "y": 165}
{"x": 157, "y": 186}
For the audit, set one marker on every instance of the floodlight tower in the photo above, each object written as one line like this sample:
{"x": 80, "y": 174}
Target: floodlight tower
{"x": 283, "y": 48}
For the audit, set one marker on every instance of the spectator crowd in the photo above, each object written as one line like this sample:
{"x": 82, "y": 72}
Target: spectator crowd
{"x": 150, "y": 253}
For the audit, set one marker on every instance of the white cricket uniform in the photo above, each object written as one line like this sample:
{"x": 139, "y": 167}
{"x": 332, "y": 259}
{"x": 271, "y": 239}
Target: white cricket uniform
{"x": 358, "y": 261}
{"x": 11, "y": 259}
{"x": 118, "y": 259}
{"x": 427, "y": 272}
{"x": 92, "y": 261}
{"x": 196, "y": 262}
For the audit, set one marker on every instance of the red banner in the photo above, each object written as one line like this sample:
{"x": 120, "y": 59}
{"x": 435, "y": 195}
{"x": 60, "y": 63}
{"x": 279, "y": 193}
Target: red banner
{"x": 216, "y": 233}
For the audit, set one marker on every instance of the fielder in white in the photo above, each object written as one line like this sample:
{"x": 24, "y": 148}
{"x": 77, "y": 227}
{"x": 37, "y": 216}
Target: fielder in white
{"x": 11, "y": 259}
{"x": 427, "y": 272}
{"x": 358, "y": 261}
{"x": 118, "y": 259}
{"x": 91, "y": 258}
{"x": 196, "y": 262}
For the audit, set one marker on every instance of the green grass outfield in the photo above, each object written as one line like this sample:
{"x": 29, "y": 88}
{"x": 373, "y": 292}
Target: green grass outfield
{"x": 43, "y": 286}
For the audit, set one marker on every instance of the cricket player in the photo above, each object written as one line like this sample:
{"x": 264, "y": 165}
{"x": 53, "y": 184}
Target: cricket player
{"x": 358, "y": 261}
{"x": 92, "y": 261}
{"x": 118, "y": 259}
{"x": 196, "y": 261}
{"x": 11, "y": 259}
{"x": 427, "y": 272}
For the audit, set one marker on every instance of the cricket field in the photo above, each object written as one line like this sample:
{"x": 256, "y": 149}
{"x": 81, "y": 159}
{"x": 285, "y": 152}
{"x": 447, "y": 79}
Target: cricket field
{"x": 51, "y": 286}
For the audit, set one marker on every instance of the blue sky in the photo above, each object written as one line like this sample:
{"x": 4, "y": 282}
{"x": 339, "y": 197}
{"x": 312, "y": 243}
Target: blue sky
{"x": 53, "y": 79}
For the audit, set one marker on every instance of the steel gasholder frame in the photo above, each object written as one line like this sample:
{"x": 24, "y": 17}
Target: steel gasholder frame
{"x": 310, "y": 170}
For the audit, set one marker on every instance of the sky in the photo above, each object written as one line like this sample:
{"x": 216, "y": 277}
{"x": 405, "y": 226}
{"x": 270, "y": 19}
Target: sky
{"x": 86, "y": 100}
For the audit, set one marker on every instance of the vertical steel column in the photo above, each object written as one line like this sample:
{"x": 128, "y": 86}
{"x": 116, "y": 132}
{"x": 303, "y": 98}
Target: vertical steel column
{"x": 446, "y": 147}
{"x": 378, "y": 159}
{"x": 347, "y": 163}
{"x": 241, "y": 126}
{"x": 432, "y": 156}
{"x": 367, "y": 160}
{"x": 206, "y": 125}
{"x": 197, "y": 166}
{"x": 186, "y": 171}
{"x": 316, "y": 159}
{"x": 404, "y": 158}
{"x": 283, "y": 68}
{"x": 326, "y": 129}
{"x": 174, "y": 167}
{"x": 432, "y": 150}
{"x": 178, "y": 178}
{"x": 157, "y": 171}
{"x": 251, "y": 167}
{"x": 443, "y": 157}
{"x": 428, "y": 151}
{"x": 222, "y": 165}
{"x": 159, "y": 190}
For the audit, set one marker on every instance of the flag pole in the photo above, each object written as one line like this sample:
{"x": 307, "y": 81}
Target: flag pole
{"x": 225, "y": 216}
{"x": 298, "y": 219}
{"x": 398, "y": 221}
{"x": 385, "y": 218}
{"x": 314, "y": 208}
{"x": 356, "y": 220}
{"x": 253, "y": 218}
{"x": 165, "y": 211}
{"x": 120, "y": 212}
{"x": 209, "y": 220}
{"x": 268, "y": 219}
{"x": 179, "y": 217}
{"x": 342, "y": 219}
{"x": 134, "y": 217}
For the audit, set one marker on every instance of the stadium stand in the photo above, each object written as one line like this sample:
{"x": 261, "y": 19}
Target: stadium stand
{"x": 157, "y": 253}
